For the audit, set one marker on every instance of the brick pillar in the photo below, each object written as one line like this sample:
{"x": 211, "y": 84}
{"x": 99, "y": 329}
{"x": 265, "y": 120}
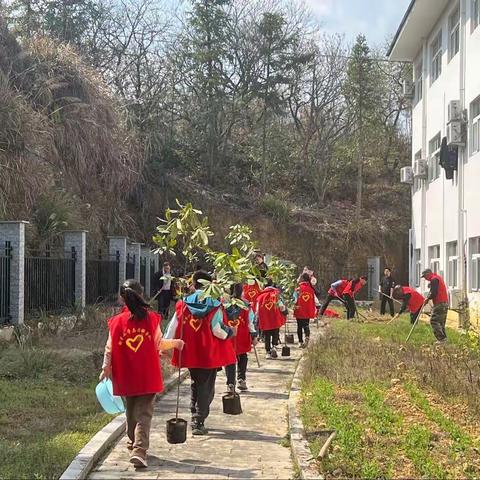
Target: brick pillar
{"x": 146, "y": 255}
{"x": 14, "y": 233}
{"x": 119, "y": 244}
{"x": 135, "y": 250}
{"x": 78, "y": 240}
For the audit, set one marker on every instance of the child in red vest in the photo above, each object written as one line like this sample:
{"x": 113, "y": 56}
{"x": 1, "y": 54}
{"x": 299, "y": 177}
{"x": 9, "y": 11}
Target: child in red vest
{"x": 271, "y": 315}
{"x": 199, "y": 322}
{"x": 244, "y": 320}
{"x": 305, "y": 308}
{"x": 132, "y": 361}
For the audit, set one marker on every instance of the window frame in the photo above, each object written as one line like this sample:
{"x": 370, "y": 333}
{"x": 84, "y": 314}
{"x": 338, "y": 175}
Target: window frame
{"x": 434, "y": 258}
{"x": 474, "y": 264}
{"x": 454, "y": 33}
{"x": 475, "y": 17}
{"x": 452, "y": 265}
{"x": 436, "y": 58}
{"x": 418, "y": 81}
{"x": 434, "y": 170}
{"x": 475, "y": 126}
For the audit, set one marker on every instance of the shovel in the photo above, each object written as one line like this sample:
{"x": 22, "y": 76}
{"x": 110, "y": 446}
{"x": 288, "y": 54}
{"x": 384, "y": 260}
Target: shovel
{"x": 285, "y": 348}
{"x": 416, "y": 321}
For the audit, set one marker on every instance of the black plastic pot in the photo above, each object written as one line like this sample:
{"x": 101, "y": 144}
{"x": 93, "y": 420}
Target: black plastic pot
{"x": 231, "y": 404}
{"x": 289, "y": 338}
{"x": 176, "y": 430}
{"x": 285, "y": 351}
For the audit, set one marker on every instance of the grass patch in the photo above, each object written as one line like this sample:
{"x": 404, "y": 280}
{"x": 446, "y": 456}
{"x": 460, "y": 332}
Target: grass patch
{"x": 399, "y": 410}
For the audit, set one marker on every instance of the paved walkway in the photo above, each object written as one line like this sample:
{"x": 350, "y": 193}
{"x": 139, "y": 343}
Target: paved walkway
{"x": 241, "y": 446}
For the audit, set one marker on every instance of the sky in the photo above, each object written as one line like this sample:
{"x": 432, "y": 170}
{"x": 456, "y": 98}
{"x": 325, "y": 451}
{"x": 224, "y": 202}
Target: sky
{"x": 377, "y": 19}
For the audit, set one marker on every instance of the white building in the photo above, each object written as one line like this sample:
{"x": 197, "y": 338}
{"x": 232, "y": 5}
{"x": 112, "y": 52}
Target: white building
{"x": 442, "y": 39}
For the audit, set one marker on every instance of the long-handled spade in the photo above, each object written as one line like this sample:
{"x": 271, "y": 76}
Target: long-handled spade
{"x": 289, "y": 337}
{"x": 285, "y": 348}
{"x": 231, "y": 401}
{"x": 177, "y": 427}
{"x": 416, "y": 321}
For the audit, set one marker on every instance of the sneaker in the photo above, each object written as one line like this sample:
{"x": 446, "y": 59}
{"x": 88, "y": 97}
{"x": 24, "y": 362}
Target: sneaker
{"x": 273, "y": 353}
{"x": 129, "y": 445}
{"x": 303, "y": 345}
{"x": 138, "y": 461}
{"x": 268, "y": 356}
{"x": 242, "y": 385}
{"x": 307, "y": 340}
{"x": 199, "y": 429}
{"x": 231, "y": 389}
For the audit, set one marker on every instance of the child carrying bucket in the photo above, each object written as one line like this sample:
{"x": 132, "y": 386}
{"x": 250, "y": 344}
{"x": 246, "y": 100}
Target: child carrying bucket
{"x": 244, "y": 320}
{"x": 132, "y": 361}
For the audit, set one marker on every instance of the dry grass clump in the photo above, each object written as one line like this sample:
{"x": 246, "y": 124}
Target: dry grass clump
{"x": 61, "y": 130}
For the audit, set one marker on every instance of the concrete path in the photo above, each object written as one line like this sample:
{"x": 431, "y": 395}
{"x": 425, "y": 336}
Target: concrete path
{"x": 241, "y": 446}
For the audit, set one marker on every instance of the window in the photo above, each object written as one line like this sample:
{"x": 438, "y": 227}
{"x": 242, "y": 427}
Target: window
{"x": 436, "y": 54}
{"x": 475, "y": 14}
{"x": 418, "y": 79}
{"x": 454, "y": 33}
{"x": 434, "y": 258}
{"x": 475, "y": 126}
{"x": 434, "y": 160}
{"x": 475, "y": 263}
{"x": 418, "y": 266}
{"x": 452, "y": 259}
{"x": 417, "y": 182}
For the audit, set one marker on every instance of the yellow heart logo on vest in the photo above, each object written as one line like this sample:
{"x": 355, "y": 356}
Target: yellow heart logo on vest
{"x": 234, "y": 323}
{"x": 251, "y": 293}
{"x": 269, "y": 305}
{"x": 306, "y": 297}
{"x": 134, "y": 343}
{"x": 195, "y": 323}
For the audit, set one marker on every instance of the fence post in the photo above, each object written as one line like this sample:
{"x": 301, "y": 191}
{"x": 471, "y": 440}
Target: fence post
{"x": 14, "y": 232}
{"x": 119, "y": 244}
{"x": 78, "y": 240}
{"x": 135, "y": 249}
{"x": 146, "y": 255}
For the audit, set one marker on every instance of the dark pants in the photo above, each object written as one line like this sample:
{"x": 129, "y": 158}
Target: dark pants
{"x": 164, "y": 299}
{"x": 203, "y": 391}
{"x": 231, "y": 370}
{"x": 326, "y": 303}
{"x": 414, "y": 315}
{"x": 383, "y": 304}
{"x": 272, "y": 338}
{"x": 303, "y": 326}
{"x": 139, "y": 413}
{"x": 438, "y": 321}
{"x": 350, "y": 306}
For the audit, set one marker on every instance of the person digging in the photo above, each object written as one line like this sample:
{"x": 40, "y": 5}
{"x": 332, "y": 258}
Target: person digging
{"x": 411, "y": 301}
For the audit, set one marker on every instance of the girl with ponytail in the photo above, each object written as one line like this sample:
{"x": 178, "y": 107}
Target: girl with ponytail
{"x": 132, "y": 361}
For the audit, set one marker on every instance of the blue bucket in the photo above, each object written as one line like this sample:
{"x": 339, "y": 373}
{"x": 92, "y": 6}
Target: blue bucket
{"x": 109, "y": 402}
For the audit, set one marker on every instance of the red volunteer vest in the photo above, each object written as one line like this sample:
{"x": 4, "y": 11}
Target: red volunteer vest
{"x": 416, "y": 300}
{"x": 305, "y": 306}
{"x": 242, "y": 343}
{"x": 339, "y": 292}
{"x": 202, "y": 348}
{"x": 251, "y": 292}
{"x": 269, "y": 315}
{"x": 350, "y": 290}
{"x": 442, "y": 295}
{"x": 135, "y": 358}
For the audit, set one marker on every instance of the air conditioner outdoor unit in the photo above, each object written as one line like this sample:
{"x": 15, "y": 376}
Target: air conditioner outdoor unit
{"x": 406, "y": 175}
{"x": 455, "y": 133}
{"x": 408, "y": 89}
{"x": 454, "y": 111}
{"x": 420, "y": 168}
{"x": 456, "y": 299}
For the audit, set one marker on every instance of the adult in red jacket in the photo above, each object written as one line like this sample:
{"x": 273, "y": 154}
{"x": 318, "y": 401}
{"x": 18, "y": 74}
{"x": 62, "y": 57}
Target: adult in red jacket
{"x": 305, "y": 308}
{"x": 244, "y": 320}
{"x": 439, "y": 296}
{"x": 271, "y": 315}
{"x": 352, "y": 288}
{"x": 132, "y": 361}
{"x": 199, "y": 322}
{"x": 335, "y": 292}
{"x": 411, "y": 301}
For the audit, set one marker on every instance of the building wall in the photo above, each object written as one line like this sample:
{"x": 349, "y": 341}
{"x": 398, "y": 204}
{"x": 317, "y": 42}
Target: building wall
{"x": 441, "y": 207}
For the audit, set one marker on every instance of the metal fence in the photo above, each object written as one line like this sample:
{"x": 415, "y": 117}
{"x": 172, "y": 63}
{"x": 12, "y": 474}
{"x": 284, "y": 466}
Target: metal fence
{"x": 130, "y": 266}
{"x": 143, "y": 271}
{"x": 5, "y": 260}
{"x": 102, "y": 278}
{"x": 50, "y": 280}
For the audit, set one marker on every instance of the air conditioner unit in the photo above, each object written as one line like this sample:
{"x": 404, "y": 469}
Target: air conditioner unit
{"x": 455, "y": 133}
{"x": 408, "y": 89}
{"x": 420, "y": 168}
{"x": 454, "y": 110}
{"x": 406, "y": 175}
{"x": 456, "y": 299}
